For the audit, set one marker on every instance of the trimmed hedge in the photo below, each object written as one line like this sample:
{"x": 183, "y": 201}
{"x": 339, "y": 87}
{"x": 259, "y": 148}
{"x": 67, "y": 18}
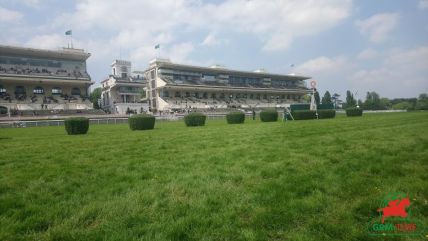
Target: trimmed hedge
{"x": 195, "y": 119}
{"x": 269, "y": 116}
{"x": 235, "y": 117}
{"x": 354, "y": 112}
{"x": 76, "y": 125}
{"x": 325, "y": 114}
{"x": 141, "y": 122}
{"x": 304, "y": 114}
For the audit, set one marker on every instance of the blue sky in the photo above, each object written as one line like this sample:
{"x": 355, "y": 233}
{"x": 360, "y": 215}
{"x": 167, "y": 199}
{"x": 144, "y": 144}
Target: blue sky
{"x": 360, "y": 45}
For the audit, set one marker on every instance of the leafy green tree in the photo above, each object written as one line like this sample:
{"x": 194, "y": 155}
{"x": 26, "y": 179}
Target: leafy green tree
{"x": 95, "y": 96}
{"x": 326, "y": 99}
{"x": 385, "y": 103}
{"x": 405, "y": 105}
{"x": 372, "y": 101}
{"x": 335, "y": 99}
{"x": 350, "y": 101}
{"x": 422, "y": 102}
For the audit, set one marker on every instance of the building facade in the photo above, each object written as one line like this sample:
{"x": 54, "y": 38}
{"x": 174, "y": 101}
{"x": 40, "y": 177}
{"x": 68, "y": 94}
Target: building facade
{"x": 122, "y": 91}
{"x": 36, "y": 79}
{"x": 173, "y": 86}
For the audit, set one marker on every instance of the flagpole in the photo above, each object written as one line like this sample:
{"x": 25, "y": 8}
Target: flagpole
{"x": 71, "y": 40}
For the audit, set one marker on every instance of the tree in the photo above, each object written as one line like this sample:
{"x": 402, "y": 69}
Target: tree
{"x": 326, "y": 99}
{"x": 335, "y": 99}
{"x": 350, "y": 101}
{"x": 372, "y": 101}
{"x": 317, "y": 97}
{"x": 422, "y": 102}
{"x": 95, "y": 96}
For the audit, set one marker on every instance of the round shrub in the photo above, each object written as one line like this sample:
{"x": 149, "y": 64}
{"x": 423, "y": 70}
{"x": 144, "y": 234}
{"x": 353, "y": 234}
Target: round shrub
{"x": 141, "y": 122}
{"x": 269, "y": 116}
{"x": 195, "y": 119}
{"x": 354, "y": 112}
{"x": 76, "y": 125}
{"x": 304, "y": 114}
{"x": 235, "y": 117}
{"x": 325, "y": 114}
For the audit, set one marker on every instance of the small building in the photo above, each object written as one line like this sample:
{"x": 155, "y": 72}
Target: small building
{"x": 124, "y": 91}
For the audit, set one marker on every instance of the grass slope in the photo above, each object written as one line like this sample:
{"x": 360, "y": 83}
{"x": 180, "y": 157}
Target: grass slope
{"x": 301, "y": 180}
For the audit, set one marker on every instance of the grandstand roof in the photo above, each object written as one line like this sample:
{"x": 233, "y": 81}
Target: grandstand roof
{"x": 162, "y": 63}
{"x": 65, "y": 53}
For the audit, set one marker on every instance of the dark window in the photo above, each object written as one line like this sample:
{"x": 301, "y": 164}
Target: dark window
{"x": 177, "y": 94}
{"x": 187, "y": 94}
{"x": 264, "y": 96}
{"x": 205, "y": 95}
{"x": 19, "y": 90}
{"x": 75, "y": 91}
{"x": 213, "y": 95}
{"x": 222, "y": 96}
{"x": 2, "y": 89}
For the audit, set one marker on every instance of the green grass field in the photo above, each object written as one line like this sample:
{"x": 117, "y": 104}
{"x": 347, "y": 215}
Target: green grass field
{"x": 302, "y": 180}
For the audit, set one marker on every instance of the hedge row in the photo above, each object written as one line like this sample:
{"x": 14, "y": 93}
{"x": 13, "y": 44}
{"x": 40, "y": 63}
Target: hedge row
{"x": 325, "y": 114}
{"x": 195, "y": 119}
{"x": 269, "y": 116}
{"x": 235, "y": 117}
{"x": 354, "y": 112}
{"x": 76, "y": 125}
{"x": 304, "y": 114}
{"x": 141, "y": 122}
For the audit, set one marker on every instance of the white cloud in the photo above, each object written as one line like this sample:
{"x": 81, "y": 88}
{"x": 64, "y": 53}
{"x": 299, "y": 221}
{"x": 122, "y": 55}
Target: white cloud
{"x": 276, "y": 23}
{"x": 47, "y": 41}
{"x": 377, "y": 27}
{"x": 9, "y": 16}
{"x": 423, "y": 4}
{"x": 322, "y": 64}
{"x": 367, "y": 54}
{"x": 212, "y": 40}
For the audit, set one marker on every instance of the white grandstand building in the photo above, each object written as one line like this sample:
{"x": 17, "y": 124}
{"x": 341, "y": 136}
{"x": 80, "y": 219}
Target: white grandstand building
{"x": 36, "y": 81}
{"x": 122, "y": 91}
{"x": 172, "y": 86}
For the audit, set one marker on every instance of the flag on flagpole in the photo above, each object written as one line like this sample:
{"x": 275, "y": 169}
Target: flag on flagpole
{"x": 69, "y": 32}
{"x": 157, "y": 46}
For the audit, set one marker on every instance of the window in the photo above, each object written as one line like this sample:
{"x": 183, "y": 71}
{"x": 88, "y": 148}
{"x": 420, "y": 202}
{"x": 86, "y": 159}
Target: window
{"x": 124, "y": 75}
{"x": 213, "y": 95}
{"x": 205, "y": 95}
{"x": 75, "y": 91}
{"x": 177, "y": 94}
{"x": 19, "y": 90}
{"x": 38, "y": 90}
{"x": 165, "y": 94}
{"x": 56, "y": 91}
{"x": 251, "y": 96}
{"x": 264, "y": 96}
{"x": 187, "y": 94}
{"x": 124, "y": 69}
{"x": 152, "y": 74}
{"x": 2, "y": 89}
{"x": 222, "y": 96}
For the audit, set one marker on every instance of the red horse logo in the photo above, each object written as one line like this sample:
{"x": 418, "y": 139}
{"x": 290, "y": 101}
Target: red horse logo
{"x": 395, "y": 208}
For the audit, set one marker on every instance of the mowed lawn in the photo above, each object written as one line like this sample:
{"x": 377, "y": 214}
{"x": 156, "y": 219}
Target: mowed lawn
{"x": 301, "y": 180}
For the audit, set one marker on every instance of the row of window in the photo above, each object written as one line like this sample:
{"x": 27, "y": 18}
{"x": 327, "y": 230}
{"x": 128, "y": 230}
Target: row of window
{"x": 236, "y": 80}
{"x": 206, "y": 95}
{"x": 40, "y": 90}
